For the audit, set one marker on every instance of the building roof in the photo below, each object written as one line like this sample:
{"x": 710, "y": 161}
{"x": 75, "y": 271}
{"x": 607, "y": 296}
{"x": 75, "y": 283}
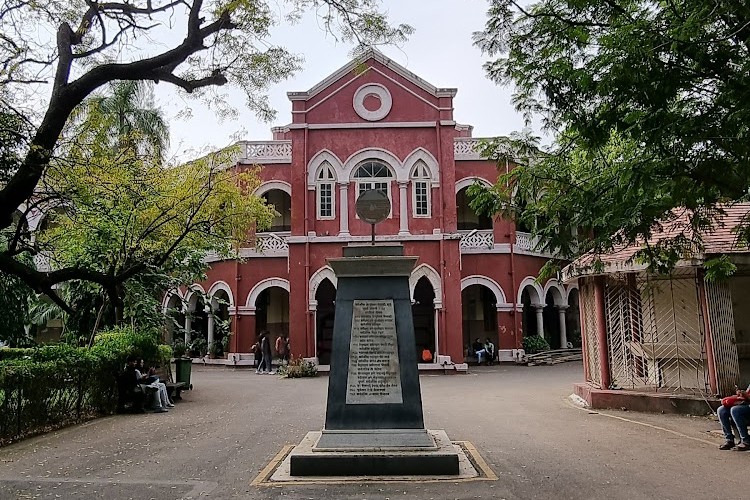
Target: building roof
{"x": 720, "y": 239}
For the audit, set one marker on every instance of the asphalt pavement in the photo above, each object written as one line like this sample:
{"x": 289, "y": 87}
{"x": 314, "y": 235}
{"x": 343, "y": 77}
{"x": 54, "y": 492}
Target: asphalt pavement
{"x": 227, "y": 430}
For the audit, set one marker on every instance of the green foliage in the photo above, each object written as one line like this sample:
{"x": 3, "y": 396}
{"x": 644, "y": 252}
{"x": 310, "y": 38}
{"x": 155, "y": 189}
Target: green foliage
{"x": 51, "y": 386}
{"x": 298, "y": 368}
{"x": 198, "y": 347}
{"x": 648, "y": 100}
{"x": 533, "y": 344}
{"x": 179, "y": 348}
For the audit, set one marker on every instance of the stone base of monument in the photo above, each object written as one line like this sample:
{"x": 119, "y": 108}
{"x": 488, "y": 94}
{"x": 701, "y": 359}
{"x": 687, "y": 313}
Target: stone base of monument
{"x": 381, "y": 452}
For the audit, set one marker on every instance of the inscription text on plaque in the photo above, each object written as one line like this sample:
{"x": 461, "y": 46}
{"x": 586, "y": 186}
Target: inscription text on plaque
{"x": 374, "y": 376}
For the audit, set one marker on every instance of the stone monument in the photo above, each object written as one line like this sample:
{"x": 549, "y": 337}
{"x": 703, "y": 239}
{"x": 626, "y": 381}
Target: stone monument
{"x": 374, "y": 422}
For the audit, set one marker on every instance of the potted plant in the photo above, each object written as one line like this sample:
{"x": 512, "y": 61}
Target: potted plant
{"x": 198, "y": 348}
{"x": 179, "y": 348}
{"x": 214, "y": 350}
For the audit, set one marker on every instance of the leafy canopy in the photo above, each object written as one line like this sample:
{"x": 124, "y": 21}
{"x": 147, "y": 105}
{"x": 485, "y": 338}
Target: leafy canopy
{"x": 648, "y": 101}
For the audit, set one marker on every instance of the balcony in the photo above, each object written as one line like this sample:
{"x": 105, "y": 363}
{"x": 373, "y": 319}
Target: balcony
{"x": 476, "y": 241}
{"x": 264, "y": 152}
{"x": 525, "y": 243}
{"x": 271, "y": 245}
{"x": 466, "y": 148}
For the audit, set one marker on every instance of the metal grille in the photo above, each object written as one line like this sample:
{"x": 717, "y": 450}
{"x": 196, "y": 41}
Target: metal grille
{"x": 655, "y": 333}
{"x": 588, "y": 306}
{"x": 721, "y": 319}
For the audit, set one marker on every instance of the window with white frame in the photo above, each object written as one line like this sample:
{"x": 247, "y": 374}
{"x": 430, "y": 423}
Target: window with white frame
{"x": 325, "y": 182}
{"x": 420, "y": 181}
{"x": 373, "y": 175}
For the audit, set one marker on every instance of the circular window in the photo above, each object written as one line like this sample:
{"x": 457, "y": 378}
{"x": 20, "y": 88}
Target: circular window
{"x": 372, "y": 102}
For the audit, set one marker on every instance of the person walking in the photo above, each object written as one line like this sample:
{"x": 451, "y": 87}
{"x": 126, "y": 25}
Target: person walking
{"x": 265, "y": 347}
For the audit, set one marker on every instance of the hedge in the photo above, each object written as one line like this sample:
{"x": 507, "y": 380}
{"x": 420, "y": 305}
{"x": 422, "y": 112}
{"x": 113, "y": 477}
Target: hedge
{"x": 51, "y": 386}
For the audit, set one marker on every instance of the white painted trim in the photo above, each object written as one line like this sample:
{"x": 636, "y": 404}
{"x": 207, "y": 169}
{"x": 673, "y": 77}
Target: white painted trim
{"x": 192, "y": 289}
{"x": 352, "y": 65}
{"x": 325, "y": 272}
{"x": 422, "y": 154}
{"x": 221, "y": 285}
{"x": 530, "y": 281}
{"x": 324, "y": 155}
{"x": 468, "y": 181}
{"x": 499, "y": 248}
{"x": 327, "y": 126}
{"x": 374, "y": 154}
{"x": 554, "y": 286}
{"x": 271, "y": 185}
{"x": 263, "y": 285}
{"x": 386, "y": 102}
{"x": 168, "y": 297}
{"x": 352, "y": 239}
{"x": 489, "y": 283}
{"x": 429, "y": 272}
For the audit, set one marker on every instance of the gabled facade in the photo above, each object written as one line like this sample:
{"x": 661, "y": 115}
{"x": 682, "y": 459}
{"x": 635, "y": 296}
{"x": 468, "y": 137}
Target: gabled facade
{"x": 374, "y": 125}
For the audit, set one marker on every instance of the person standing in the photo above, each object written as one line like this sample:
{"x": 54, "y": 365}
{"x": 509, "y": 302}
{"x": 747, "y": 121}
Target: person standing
{"x": 282, "y": 348}
{"x": 267, "y": 356}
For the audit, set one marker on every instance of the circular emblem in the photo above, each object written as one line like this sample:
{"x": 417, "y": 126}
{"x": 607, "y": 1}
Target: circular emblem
{"x": 372, "y": 102}
{"x": 373, "y": 206}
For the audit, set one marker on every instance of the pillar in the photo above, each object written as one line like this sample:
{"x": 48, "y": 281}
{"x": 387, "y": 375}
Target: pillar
{"x": 561, "y": 310}
{"x": 403, "y": 229}
{"x": 188, "y": 326}
{"x": 211, "y": 326}
{"x": 601, "y": 332}
{"x": 344, "y": 209}
{"x": 539, "y": 308}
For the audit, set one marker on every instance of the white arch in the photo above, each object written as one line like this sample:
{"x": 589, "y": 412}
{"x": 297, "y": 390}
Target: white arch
{"x": 429, "y": 160}
{"x": 558, "y": 292}
{"x": 468, "y": 181}
{"x": 537, "y": 297}
{"x": 429, "y": 272}
{"x": 220, "y": 285}
{"x": 263, "y": 285}
{"x": 325, "y": 272}
{"x": 168, "y": 297}
{"x": 191, "y": 296}
{"x": 374, "y": 154}
{"x": 271, "y": 185}
{"x": 489, "y": 283}
{"x": 569, "y": 291}
{"x": 317, "y": 160}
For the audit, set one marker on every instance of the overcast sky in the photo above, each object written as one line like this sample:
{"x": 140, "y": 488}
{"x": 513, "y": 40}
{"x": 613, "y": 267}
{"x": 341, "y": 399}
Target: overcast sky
{"x": 440, "y": 51}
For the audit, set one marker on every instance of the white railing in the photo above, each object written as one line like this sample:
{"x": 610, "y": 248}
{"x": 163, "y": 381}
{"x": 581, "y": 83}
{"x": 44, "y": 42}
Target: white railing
{"x": 271, "y": 243}
{"x": 265, "y": 151}
{"x": 477, "y": 239}
{"x": 42, "y": 262}
{"x": 466, "y": 148}
{"x": 526, "y": 243}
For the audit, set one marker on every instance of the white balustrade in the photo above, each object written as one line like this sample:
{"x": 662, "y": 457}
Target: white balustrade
{"x": 524, "y": 241}
{"x": 466, "y": 148}
{"x": 271, "y": 243}
{"x": 477, "y": 239}
{"x": 265, "y": 151}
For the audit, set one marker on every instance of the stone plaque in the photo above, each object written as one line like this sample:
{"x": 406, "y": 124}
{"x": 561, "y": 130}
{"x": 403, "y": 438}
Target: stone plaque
{"x": 374, "y": 375}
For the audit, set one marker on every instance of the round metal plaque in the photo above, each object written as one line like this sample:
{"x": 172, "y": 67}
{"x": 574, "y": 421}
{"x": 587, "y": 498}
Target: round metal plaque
{"x": 373, "y": 206}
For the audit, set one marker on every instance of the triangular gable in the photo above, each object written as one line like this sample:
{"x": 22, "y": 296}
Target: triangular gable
{"x": 378, "y": 56}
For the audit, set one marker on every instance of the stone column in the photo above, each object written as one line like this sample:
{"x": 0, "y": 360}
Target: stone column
{"x": 539, "y": 319}
{"x": 211, "y": 326}
{"x": 563, "y": 327}
{"x": 403, "y": 208}
{"x": 344, "y": 209}
{"x": 188, "y": 325}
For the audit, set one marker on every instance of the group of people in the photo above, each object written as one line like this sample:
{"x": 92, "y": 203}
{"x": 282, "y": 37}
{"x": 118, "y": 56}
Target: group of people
{"x": 136, "y": 374}
{"x": 481, "y": 350}
{"x": 262, "y": 351}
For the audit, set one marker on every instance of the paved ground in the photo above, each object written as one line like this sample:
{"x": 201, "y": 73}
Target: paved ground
{"x": 215, "y": 442}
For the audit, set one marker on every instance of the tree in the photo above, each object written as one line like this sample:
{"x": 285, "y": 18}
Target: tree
{"x": 224, "y": 42}
{"x": 648, "y": 102}
{"x": 125, "y": 113}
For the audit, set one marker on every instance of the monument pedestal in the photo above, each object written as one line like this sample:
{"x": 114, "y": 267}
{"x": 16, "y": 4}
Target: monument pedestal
{"x": 374, "y": 421}
{"x": 382, "y": 455}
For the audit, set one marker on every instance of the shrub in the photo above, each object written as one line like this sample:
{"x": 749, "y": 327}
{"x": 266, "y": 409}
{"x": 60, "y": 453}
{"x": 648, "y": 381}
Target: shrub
{"x": 298, "y": 368}
{"x": 50, "y": 386}
{"x": 534, "y": 343}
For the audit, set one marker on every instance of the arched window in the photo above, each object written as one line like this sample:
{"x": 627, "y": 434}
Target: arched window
{"x": 324, "y": 191}
{"x": 421, "y": 190}
{"x": 373, "y": 175}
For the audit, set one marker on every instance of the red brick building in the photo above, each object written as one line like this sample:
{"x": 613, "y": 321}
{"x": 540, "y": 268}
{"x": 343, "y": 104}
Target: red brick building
{"x": 373, "y": 124}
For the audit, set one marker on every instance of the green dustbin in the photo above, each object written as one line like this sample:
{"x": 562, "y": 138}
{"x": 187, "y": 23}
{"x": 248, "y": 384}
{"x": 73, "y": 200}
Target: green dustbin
{"x": 183, "y": 368}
